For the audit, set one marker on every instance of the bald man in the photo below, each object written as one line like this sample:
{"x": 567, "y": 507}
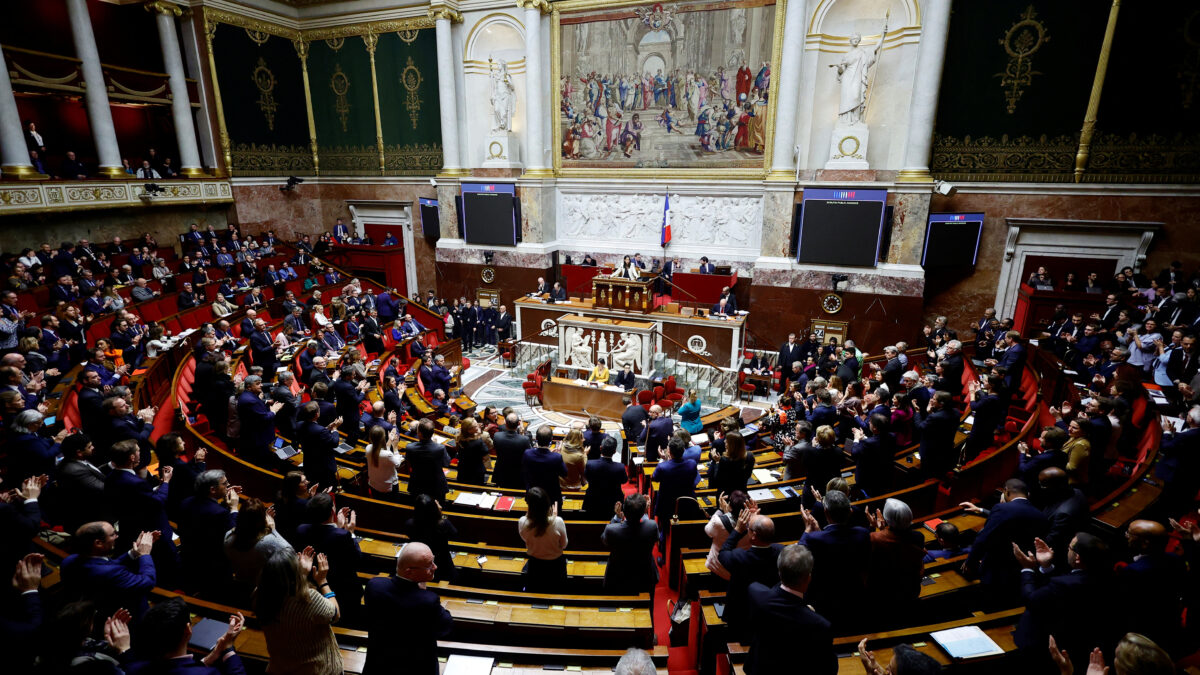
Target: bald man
{"x": 657, "y": 433}
{"x": 1153, "y": 581}
{"x": 404, "y": 620}
{"x": 756, "y": 564}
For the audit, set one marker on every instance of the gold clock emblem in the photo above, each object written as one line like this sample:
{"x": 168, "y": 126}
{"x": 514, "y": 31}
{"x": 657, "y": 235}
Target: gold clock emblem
{"x": 831, "y": 303}
{"x": 488, "y": 275}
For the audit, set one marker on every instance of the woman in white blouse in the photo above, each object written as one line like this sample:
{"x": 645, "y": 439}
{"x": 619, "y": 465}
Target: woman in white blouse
{"x": 383, "y": 458}
{"x": 545, "y": 536}
{"x": 319, "y": 317}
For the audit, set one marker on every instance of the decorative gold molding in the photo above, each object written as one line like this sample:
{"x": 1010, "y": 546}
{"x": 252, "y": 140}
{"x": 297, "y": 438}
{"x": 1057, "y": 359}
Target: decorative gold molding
{"x": 541, "y": 5}
{"x": 166, "y": 8}
{"x": 1019, "y": 72}
{"x": 443, "y": 12}
{"x": 21, "y": 172}
{"x": 221, "y": 16}
{"x": 1089, "y": 118}
{"x": 210, "y": 31}
{"x": 302, "y": 51}
{"x": 372, "y": 28}
{"x": 372, "y": 41}
{"x": 914, "y": 176}
{"x": 72, "y": 196}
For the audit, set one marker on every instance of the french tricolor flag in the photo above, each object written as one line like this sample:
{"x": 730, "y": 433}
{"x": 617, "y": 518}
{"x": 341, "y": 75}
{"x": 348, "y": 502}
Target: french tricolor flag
{"x": 666, "y": 224}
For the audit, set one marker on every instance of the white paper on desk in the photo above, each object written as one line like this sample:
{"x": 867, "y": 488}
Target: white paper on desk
{"x": 761, "y": 494}
{"x": 970, "y": 421}
{"x": 1157, "y": 396}
{"x": 468, "y": 498}
{"x": 639, "y": 460}
{"x": 486, "y": 501}
{"x": 967, "y": 642}
{"x": 699, "y": 439}
{"x": 459, "y": 664}
{"x": 1176, "y": 422}
{"x": 764, "y": 475}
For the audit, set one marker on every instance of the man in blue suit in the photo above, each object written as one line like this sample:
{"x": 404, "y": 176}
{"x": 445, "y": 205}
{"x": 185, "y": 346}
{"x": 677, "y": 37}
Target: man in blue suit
{"x": 755, "y": 565}
{"x": 1015, "y": 520}
{"x": 306, "y": 359}
{"x": 108, "y": 377}
{"x": 1074, "y": 605}
{"x": 937, "y": 429}
{"x": 657, "y": 433}
{"x": 441, "y": 374}
{"x": 331, "y": 340}
{"x": 126, "y": 426}
{"x": 426, "y": 459}
{"x": 258, "y": 422}
{"x": 318, "y": 443}
{"x": 1152, "y": 581}
{"x": 874, "y": 456}
{"x": 706, "y": 267}
{"x": 248, "y": 322}
{"x": 340, "y": 231}
{"x": 1031, "y": 465}
{"x": 262, "y": 349}
{"x": 163, "y": 640}
{"x": 510, "y": 445}
{"x": 843, "y": 552}
{"x": 541, "y": 467}
{"x": 348, "y": 393}
{"x": 387, "y": 305}
{"x": 205, "y": 517}
{"x": 1180, "y": 465}
{"x": 823, "y": 412}
{"x": 1012, "y": 359}
{"x": 604, "y": 480}
{"x": 331, "y": 531}
{"x": 630, "y": 538}
{"x": 112, "y": 583}
{"x": 404, "y": 619}
{"x": 989, "y": 409}
{"x": 137, "y": 507}
{"x": 676, "y": 477}
{"x": 784, "y": 625}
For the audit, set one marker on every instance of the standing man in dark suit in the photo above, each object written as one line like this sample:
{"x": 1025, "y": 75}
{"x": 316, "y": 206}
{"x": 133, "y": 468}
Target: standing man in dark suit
{"x": 1074, "y": 604}
{"x": 1012, "y": 359}
{"x": 262, "y": 349}
{"x": 542, "y": 467}
{"x": 937, "y": 429}
{"x": 510, "y": 445}
{"x": 258, "y": 422}
{"x": 348, "y": 393}
{"x": 757, "y": 564}
{"x": 20, "y": 521}
{"x": 874, "y": 456}
{"x": 989, "y": 411}
{"x": 205, "y": 518}
{"x": 331, "y": 531}
{"x": 1065, "y": 508}
{"x": 426, "y": 459}
{"x": 952, "y": 367}
{"x": 843, "y": 551}
{"x": 285, "y": 419}
{"x": 893, "y": 370}
{"x": 633, "y": 420}
{"x": 1015, "y": 520}
{"x": 784, "y": 624}
{"x": 126, "y": 426}
{"x": 141, "y": 508}
{"x": 630, "y": 538}
{"x": 1183, "y": 364}
{"x": 318, "y": 444}
{"x": 657, "y": 433}
{"x": 676, "y": 477}
{"x": 789, "y": 353}
{"x": 503, "y": 323}
{"x": 92, "y": 573}
{"x": 404, "y": 619}
{"x": 604, "y": 480}
{"x": 1179, "y": 468}
{"x": 80, "y": 483}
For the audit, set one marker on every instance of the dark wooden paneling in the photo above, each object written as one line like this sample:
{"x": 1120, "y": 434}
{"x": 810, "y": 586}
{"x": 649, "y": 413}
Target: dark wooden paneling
{"x": 456, "y": 280}
{"x": 875, "y": 320}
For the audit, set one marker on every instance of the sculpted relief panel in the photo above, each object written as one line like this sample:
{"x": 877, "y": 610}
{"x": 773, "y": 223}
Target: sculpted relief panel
{"x": 699, "y": 223}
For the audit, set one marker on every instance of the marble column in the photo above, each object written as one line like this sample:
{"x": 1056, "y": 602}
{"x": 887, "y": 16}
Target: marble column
{"x": 14, "y": 154}
{"x": 535, "y": 93}
{"x": 451, "y": 157}
{"x": 922, "y": 108}
{"x": 910, "y": 213}
{"x": 104, "y": 134}
{"x": 787, "y": 91}
{"x": 181, "y": 103}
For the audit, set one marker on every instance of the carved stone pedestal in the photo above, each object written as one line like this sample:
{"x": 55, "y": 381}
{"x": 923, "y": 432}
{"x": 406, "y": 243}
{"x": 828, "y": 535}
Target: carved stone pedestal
{"x": 502, "y": 151}
{"x": 848, "y": 146}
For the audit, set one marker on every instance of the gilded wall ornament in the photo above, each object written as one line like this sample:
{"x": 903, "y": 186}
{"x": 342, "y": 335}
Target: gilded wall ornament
{"x": 409, "y": 36}
{"x": 1021, "y": 41}
{"x": 340, "y": 84}
{"x": 264, "y": 79}
{"x": 259, "y": 37}
{"x": 410, "y": 77}
{"x": 336, "y": 44}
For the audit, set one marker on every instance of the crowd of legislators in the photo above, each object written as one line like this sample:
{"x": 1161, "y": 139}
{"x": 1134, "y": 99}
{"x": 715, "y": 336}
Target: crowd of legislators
{"x": 68, "y": 165}
{"x": 296, "y": 562}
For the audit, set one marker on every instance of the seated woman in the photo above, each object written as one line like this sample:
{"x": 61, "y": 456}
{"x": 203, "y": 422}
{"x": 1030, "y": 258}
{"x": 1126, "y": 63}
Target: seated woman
{"x": 599, "y": 373}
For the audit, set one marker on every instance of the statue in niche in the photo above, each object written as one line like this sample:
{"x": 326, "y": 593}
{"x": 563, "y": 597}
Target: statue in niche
{"x": 503, "y": 96}
{"x": 581, "y": 351}
{"x": 853, "y": 72}
{"x": 628, "y": 351}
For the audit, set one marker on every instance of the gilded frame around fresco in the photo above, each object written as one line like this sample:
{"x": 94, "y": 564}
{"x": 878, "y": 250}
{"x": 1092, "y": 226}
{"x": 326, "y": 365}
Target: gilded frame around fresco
{"x": 714, "y": 173}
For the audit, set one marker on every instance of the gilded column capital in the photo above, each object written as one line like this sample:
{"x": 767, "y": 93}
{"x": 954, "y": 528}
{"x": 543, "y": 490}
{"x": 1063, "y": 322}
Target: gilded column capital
{"x": 446, "y": 12}
{"x": 541, "y": 5}
{"x": 160, "y": 7}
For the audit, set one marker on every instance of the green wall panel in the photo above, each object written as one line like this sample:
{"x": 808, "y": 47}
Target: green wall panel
{"x": 262, "y": 95}
{"x": 339, "y": 77}
{"x": 406, "y": 66}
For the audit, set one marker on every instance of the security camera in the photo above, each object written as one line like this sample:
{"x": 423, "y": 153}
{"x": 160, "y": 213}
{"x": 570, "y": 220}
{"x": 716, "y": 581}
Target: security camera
{"x": 291, "y": 184}
{"x": 945, "y": 189}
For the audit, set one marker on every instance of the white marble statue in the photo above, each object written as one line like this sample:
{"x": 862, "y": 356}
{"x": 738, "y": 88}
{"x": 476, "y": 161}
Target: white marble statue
{"x": 504, "y": 98}
{"x": 853, "y": 71}
{"x": 628, "y": 351}
{"x": 581, "y": 351}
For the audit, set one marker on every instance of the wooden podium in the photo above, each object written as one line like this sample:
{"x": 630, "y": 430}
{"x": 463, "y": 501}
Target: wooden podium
{"x": 623, "y": 294}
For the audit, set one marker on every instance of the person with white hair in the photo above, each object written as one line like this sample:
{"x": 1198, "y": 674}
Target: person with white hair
{"x": 30, "y": 454}
{"x": 635, "y": 662}
{"x": 897, "y": 561}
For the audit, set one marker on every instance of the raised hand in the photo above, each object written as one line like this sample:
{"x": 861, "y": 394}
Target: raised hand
{"x": 743, "y": 521}
{"x": 1060, "y": 658}
{"x": 143, "y": 544}
{"x": 1025, "y": 560}
{"x": 1096, "y": 663}
{"x": 116, "y": 630}
{"x": 28, "y": 575}
{"x": 236, "y": 623}
{"x": 810, "y": 521}
{"x": 1043, "y": 552}
{"x": 322, "y": 569}
{"x": 868, "y": 657}
{"x": 165, "y": 473}
{"x": 1187, "y": 529}
{"x": 200, "y": 455}
{"x": 306, "y": 560}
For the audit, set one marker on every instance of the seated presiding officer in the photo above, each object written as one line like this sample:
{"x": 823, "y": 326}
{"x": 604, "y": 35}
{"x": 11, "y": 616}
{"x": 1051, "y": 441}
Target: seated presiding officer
{"x": 723, "y": 308}
{"x": 599, "y": 373}
{"x": 558, "y": 293}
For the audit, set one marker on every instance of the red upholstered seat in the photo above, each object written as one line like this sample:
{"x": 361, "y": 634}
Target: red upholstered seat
{"x": 645, "y": 398}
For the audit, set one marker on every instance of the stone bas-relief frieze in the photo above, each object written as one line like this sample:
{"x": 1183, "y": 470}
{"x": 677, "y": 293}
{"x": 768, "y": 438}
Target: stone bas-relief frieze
{"x": 731, "y": 224}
